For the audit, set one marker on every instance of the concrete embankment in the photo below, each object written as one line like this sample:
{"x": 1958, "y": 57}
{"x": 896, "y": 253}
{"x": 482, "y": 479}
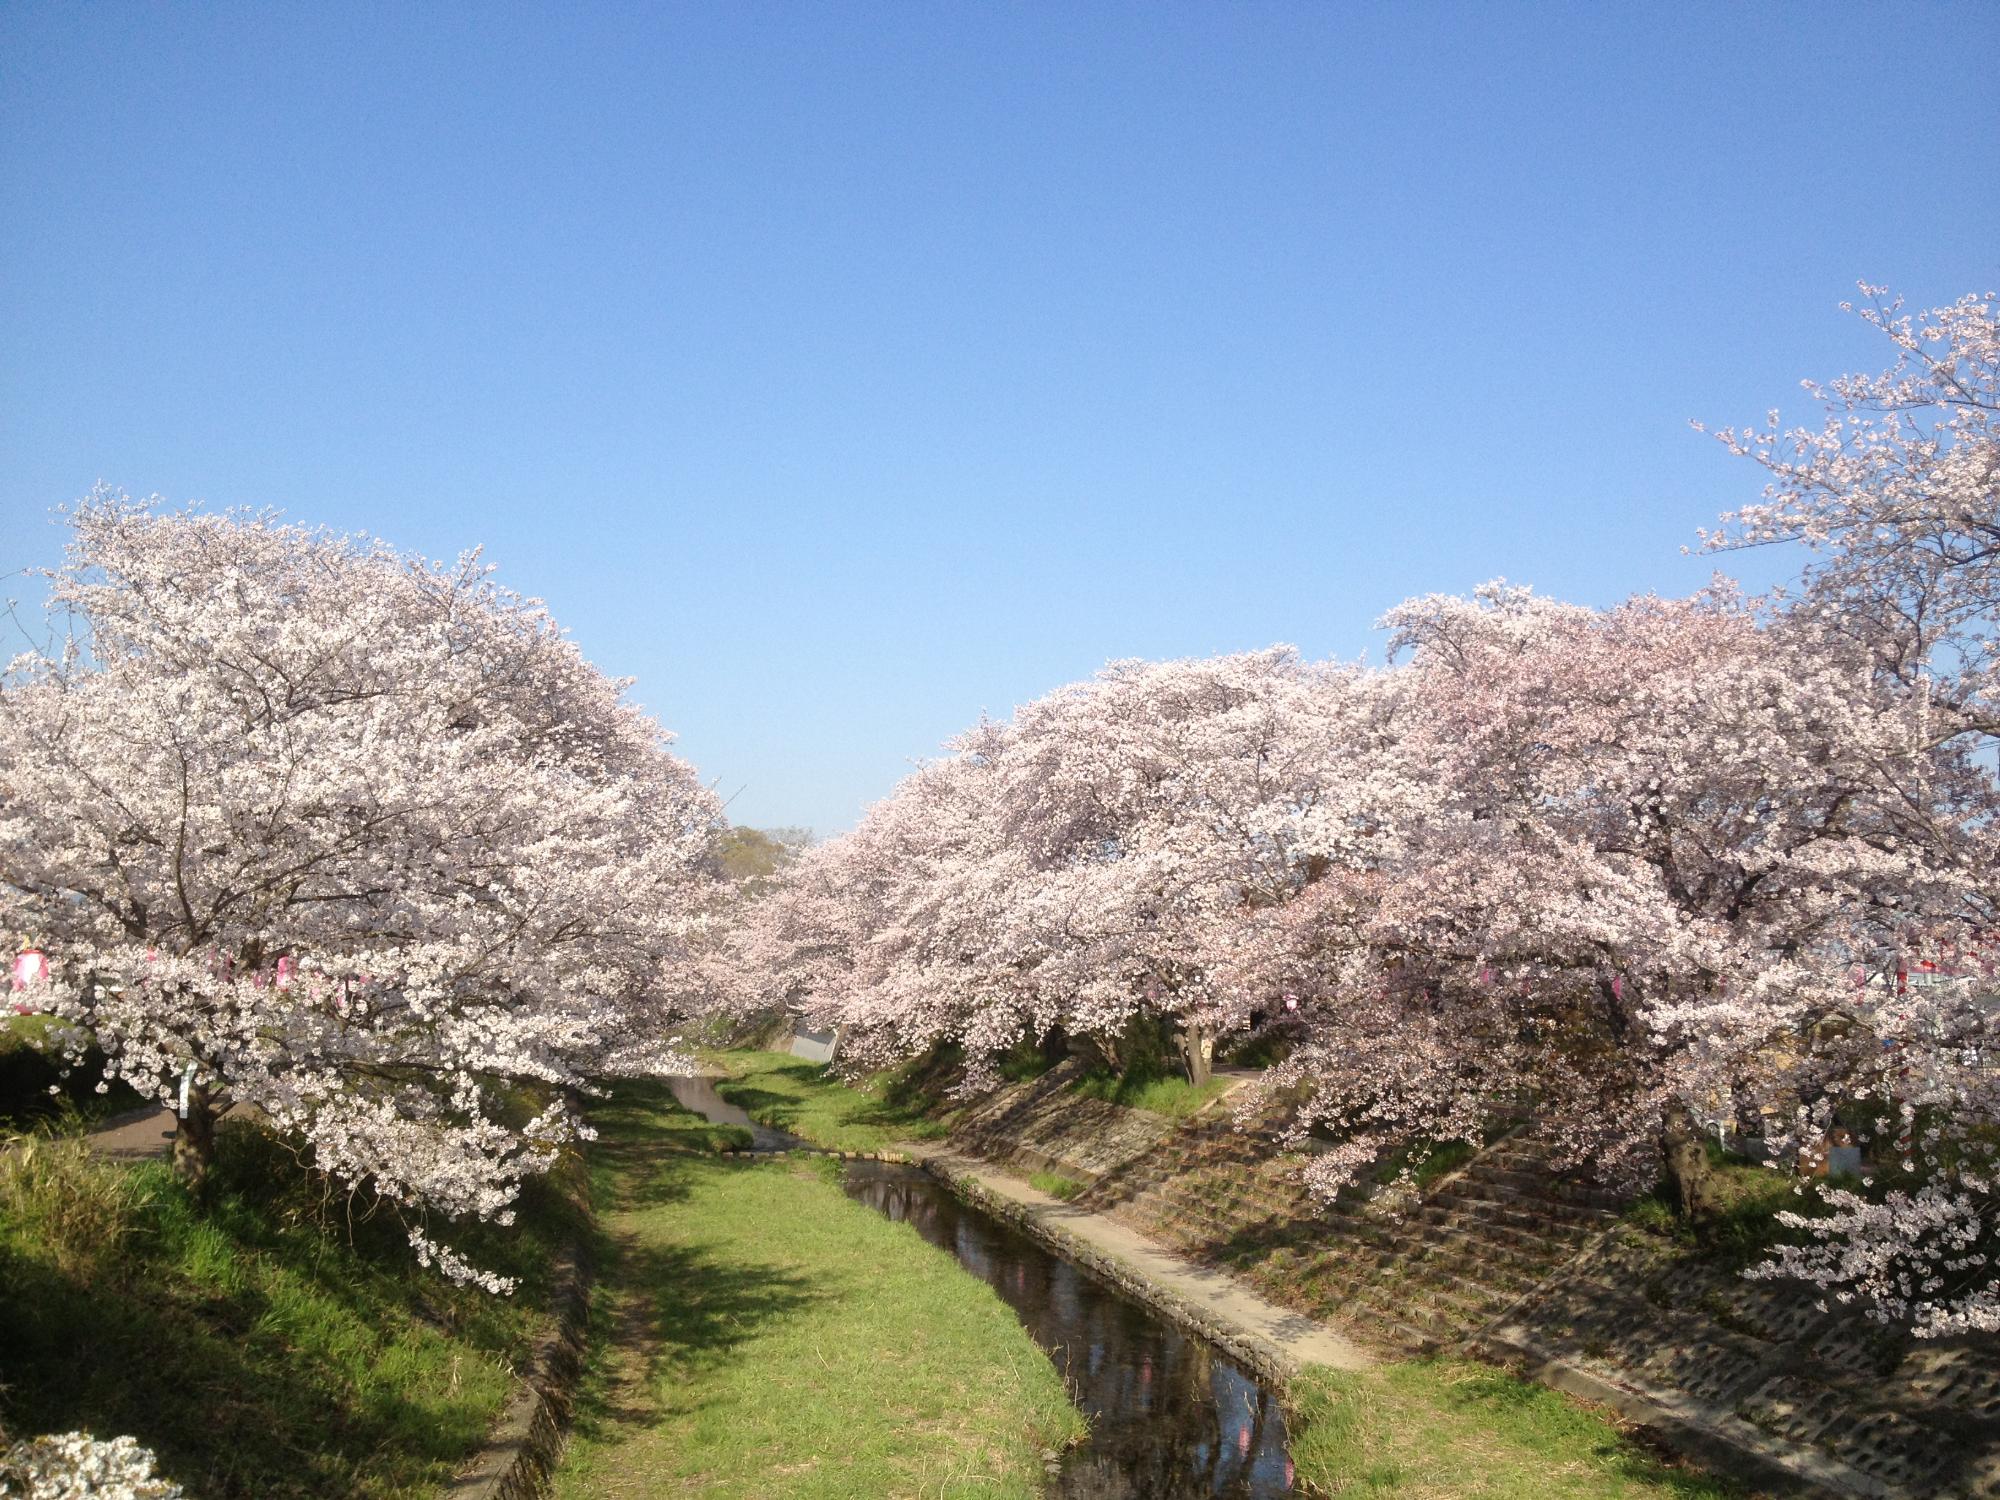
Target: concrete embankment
{"x": 1269, "y": 1339}
{"x": 1507, "y": 1260}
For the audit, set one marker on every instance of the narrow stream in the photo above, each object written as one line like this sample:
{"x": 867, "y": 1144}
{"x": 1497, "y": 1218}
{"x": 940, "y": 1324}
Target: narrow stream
{"x": 1171, "y": 1418}
{"x": 699, "y": 1095}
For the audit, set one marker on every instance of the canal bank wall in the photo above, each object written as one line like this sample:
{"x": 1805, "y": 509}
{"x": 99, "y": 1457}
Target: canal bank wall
{"x": 1269, "y": 1340}
{"x": 1503, "y": 1260}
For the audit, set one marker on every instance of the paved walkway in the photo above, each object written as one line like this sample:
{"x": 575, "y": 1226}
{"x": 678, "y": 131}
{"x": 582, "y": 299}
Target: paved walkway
{"x": 134, "y": 1135}
{"x": 145, "y": 1132}
{"x": 1301, "y": 1339}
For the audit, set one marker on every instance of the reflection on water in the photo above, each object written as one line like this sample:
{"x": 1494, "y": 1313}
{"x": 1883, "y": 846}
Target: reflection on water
{"x": 699, "y": 1095}
{"x": 1170, "y": 1418}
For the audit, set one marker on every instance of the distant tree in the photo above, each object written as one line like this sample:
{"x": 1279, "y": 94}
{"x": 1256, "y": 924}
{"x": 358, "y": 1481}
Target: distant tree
{"x": 750, "y": 858}
{"x": 347, "y": 836}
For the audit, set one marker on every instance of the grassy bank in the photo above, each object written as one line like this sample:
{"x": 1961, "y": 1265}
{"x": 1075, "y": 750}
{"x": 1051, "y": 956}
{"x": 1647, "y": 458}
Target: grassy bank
{"x": 786, "y": 1093}
{"x": 264, "y": 1347}
{"x": 768, "y": 1337}
{"x": 1452, "y": 1430}
{"x": 1158, "y": 1093}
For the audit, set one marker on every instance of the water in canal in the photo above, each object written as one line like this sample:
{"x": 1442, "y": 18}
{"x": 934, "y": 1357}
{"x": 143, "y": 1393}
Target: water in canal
{"x": 1170, "y": 1417}
{"x": 699, "y": 1095}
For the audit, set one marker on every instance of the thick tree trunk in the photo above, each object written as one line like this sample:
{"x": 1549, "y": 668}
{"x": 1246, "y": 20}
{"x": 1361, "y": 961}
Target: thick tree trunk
{"x": 1686, "y": 1157}
{"x": 194, "y": 1141}
{"x": 1197, "y": 1048}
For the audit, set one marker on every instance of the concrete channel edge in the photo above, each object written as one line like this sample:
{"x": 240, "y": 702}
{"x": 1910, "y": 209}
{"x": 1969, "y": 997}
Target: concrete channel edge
{"x": 523, "y": 1446}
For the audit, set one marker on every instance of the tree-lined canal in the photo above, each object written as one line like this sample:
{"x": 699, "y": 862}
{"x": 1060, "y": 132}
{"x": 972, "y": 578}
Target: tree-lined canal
{"x": 1171, "y": 1418}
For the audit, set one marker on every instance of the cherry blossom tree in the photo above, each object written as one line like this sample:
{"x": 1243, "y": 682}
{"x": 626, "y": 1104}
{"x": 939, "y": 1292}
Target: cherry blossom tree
{"x": 311, "y": 826}
{"x": 1634, "y": 874}
{"x": 1897, "y": 497}
{"x": 1658, "y": 843}
{"x": 1081, "y": 867}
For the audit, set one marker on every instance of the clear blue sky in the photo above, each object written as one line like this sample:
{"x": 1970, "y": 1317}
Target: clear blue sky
{"x": 841, "y": 371}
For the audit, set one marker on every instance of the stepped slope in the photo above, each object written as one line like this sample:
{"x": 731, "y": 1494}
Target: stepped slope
{"x": 1509, "y": 1258}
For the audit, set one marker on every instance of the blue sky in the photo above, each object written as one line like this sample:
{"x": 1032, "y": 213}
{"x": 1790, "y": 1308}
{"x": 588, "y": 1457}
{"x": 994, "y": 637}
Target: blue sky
{"x": 842, "y": 371}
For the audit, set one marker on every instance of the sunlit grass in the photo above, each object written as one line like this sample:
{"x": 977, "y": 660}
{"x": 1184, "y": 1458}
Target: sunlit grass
{"x": 1055, "y": 1184}
{"x": 810, "y": 1101}
{"x": 1453, "y": 1430}
{"x": 769, "y": 1337}
{"x": 1162, "y": 1095}
{"x": 262, "y": 1346}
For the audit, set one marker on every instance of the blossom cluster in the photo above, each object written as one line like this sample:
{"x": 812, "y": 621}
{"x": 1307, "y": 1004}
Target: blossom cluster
{"x": 350, "y": 837}
{"x": 1638, "y": 874}
{"x": 77, "y": 1466}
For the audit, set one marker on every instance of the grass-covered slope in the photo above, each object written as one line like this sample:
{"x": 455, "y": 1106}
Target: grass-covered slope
{"x": 808, "y": 1100}
{"x": 762, "y": 1335}
{"x": 264, "y": 1347}
{"x": 1451, "y": 1430}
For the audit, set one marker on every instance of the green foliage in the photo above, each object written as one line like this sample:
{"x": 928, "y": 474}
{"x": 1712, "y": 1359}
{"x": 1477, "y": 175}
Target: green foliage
{"x": 754, "y": 857}
{"x": 1055, "y": 1184}
{"x": 1428, "y": 1162}
{"x": 1260, "y": 1049}
{"x": 1426, "y": 1430}
{"x": 808, "y": 1100}
{"x": 771, "y": 1337}
{"x": 1025, "y": 1060}
{"x": 1744, "y": 1227}
{"x": 281, "y": 1342}
{"x": 1172, "y": 1096}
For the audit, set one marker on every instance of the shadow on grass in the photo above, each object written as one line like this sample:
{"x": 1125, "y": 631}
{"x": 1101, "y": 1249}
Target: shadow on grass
{"x": 209, "y": 1379}
{"x": 896, "y": 1110}
{"x": 673, "y": 1309}
{"x": 778, "y": 1111}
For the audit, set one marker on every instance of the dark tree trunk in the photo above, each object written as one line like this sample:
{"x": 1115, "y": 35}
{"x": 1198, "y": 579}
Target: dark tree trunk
{"x": 1686, "y": 1157}
{"x": 1195, "y": 1049}
{"x": 194, "y": 1141}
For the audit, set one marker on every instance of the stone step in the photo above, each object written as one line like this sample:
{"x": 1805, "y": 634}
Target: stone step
{"x": 1511, "y": 1205}
{"x": 1537, "y": 1244}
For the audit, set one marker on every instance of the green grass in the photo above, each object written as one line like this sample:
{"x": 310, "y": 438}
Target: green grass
{"x": 1428, "y": 1162}
{"x": 262, "y": 1347}
{"x": 1161, "y": 1095}
{"x": 771, "y": 1338}
{"x": 1055, "y": 1184}
{"x": 1744, "y": 1227}
{"x": 1428, "y": 1430}
{"x": 811, "y": 1102}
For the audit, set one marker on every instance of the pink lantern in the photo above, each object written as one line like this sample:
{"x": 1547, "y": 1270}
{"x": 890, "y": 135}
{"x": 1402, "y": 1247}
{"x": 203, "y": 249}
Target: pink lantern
{"x": 1291, "y": 1002}
{"x": 285, "y": 973}
{"x": 31, "y": 967}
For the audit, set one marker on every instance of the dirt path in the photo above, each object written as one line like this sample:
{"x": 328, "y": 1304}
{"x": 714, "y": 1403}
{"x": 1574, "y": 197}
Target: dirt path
{"x": 1297, "y": 1338}
{"x": 143, "y": 1133}
{"x": 134, "y": 1135}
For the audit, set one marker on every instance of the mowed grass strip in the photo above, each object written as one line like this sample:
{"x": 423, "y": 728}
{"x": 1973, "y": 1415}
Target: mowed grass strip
{"x": 1455, "y": 1430}
{"x": 764, "y": 1335}
{"x": 810, "y": 1101}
